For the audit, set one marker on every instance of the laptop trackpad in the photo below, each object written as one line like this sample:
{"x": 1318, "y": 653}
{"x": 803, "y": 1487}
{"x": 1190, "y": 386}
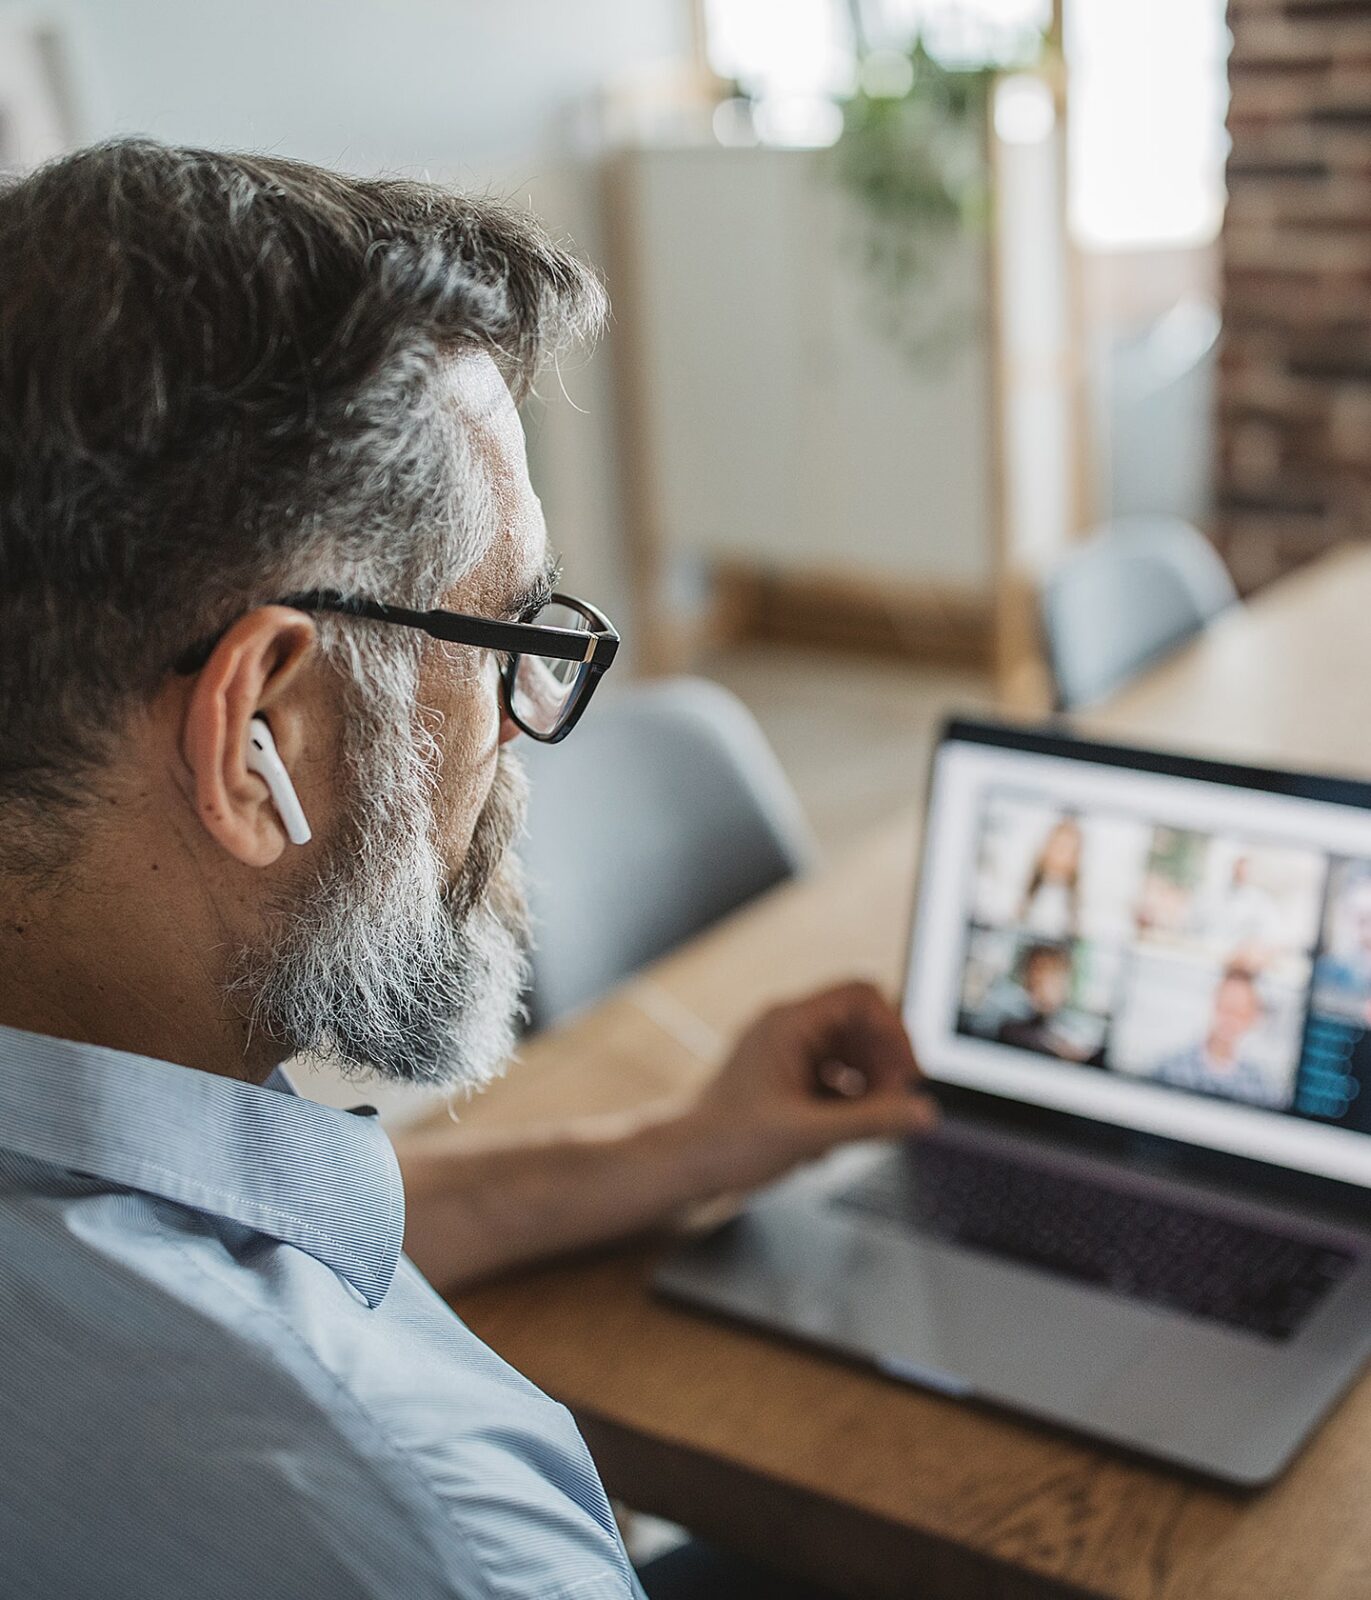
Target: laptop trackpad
{"x": 943, "y": 1316}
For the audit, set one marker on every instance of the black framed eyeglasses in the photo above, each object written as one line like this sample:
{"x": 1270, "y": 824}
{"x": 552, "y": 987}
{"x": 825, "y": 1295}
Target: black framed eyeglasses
{"x": 552, "y": 662}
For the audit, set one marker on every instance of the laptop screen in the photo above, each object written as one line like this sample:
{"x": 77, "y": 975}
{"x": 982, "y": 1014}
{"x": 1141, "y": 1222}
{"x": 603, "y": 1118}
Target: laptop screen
{"x": 1175, "y": 946}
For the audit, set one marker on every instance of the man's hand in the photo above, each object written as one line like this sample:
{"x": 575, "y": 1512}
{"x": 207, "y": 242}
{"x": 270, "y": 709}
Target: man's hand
{"x": 804, "y": 1077}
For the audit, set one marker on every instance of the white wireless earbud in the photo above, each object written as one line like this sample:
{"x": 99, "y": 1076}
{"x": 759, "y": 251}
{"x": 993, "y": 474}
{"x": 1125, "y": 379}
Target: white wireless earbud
{"x": 264, "y": 760}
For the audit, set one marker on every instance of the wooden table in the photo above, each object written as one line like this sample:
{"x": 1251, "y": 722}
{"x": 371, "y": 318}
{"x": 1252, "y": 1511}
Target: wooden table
{"x": 1285, "y": 680}
{"x": 826, "y": 1469}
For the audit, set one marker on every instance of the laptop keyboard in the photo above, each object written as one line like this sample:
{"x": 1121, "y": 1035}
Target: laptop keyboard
{"x": 1166, "y": 1254}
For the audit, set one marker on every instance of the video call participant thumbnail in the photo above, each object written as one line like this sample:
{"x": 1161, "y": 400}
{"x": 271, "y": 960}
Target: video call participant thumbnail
{"x": 1343, "y": 976}
{"x": 1045, "y": 977}
{"x": 1219, "y": 1063}
{"x": 1051, "y": 906}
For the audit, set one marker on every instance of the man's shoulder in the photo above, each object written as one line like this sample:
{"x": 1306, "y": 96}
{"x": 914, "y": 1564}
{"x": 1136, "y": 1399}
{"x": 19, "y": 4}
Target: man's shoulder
{"x": 147, "y": 1471}
{"x": 253, "y": 1398}
{"x": 1187, "y": 1062}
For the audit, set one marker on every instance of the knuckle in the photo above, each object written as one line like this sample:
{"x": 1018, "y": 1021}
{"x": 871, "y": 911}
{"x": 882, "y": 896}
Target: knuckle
{"x": 864, "y": 995}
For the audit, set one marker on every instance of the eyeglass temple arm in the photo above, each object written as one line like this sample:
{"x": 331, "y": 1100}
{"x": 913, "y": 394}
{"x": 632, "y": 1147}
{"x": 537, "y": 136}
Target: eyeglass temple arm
{"x": 598, "y": 646}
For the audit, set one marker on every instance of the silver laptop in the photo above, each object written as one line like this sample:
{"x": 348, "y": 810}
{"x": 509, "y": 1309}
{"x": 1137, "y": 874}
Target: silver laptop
{"x": 1141, "y": 987}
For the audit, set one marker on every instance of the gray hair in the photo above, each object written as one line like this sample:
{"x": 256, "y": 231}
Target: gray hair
{"x": 218, "y": 385}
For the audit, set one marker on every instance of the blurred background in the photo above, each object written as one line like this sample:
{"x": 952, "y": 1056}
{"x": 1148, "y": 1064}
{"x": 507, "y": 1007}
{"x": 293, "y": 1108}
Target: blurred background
{"x": 912, "y": 298}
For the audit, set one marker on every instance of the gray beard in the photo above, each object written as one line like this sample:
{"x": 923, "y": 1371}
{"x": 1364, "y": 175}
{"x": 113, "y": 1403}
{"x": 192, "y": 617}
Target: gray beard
{"x": 379, "y": 966}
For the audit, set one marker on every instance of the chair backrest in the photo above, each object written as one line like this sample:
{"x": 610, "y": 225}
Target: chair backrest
{"x": 1125, "y": 597}
{"x": 664, "y": 811}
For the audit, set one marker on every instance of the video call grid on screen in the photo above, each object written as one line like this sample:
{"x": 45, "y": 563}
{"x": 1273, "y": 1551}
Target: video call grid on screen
{"x": 1185, "y": 957}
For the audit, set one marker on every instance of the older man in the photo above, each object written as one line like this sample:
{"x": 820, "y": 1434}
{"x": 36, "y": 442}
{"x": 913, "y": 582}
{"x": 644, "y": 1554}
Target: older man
{"x": 271, "y": 575}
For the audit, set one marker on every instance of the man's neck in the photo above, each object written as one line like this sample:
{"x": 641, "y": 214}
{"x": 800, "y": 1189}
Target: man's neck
{"x": 117, "y": 968}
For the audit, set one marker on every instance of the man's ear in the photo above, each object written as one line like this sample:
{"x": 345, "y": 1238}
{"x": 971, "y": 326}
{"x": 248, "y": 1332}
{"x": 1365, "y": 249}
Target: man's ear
{"x": 253, "y": 671}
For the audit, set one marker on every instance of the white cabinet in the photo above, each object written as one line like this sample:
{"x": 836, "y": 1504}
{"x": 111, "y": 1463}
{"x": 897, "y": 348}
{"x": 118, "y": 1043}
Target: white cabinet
{"x": 781, "y": 424}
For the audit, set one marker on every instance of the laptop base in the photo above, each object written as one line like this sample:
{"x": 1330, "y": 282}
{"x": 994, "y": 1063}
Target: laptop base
{"x": 1197, "y": 1393}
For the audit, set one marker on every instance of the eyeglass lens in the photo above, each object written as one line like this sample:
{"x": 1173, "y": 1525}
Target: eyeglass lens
{"x": 544, "y": 690}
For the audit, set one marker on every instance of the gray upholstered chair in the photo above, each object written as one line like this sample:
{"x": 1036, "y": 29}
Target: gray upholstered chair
{"x": 665, "y": 810}
{"x": 1126, "y": 597}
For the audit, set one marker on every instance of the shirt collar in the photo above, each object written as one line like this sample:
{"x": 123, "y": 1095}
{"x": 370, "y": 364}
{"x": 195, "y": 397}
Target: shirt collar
{"x": 311, "y": 1176}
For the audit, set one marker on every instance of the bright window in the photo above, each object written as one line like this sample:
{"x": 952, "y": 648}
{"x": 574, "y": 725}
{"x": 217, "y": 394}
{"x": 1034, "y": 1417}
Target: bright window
{"x": 1148, "y": 96}
{"x": 1148, "y": 89}
{"x": 805, "y": 47}
{"x": 781, "y": 47}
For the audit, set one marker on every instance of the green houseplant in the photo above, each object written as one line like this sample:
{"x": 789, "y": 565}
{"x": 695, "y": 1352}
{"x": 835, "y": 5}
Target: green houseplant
{"x": 913, "y": 156}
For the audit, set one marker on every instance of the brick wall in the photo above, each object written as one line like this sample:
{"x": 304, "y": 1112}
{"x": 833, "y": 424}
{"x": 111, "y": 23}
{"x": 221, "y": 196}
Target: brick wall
{"x": 1294, "y": 405}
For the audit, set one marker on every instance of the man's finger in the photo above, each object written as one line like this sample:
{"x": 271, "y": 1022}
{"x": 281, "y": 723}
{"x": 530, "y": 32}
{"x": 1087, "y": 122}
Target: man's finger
{"x": 841, "y": 1079}
{"x": 856, "y": 1025}
{"x": 889, "y": 1115}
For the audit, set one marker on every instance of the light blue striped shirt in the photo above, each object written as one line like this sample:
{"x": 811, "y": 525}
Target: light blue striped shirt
{"x": 219, "y": 1377}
